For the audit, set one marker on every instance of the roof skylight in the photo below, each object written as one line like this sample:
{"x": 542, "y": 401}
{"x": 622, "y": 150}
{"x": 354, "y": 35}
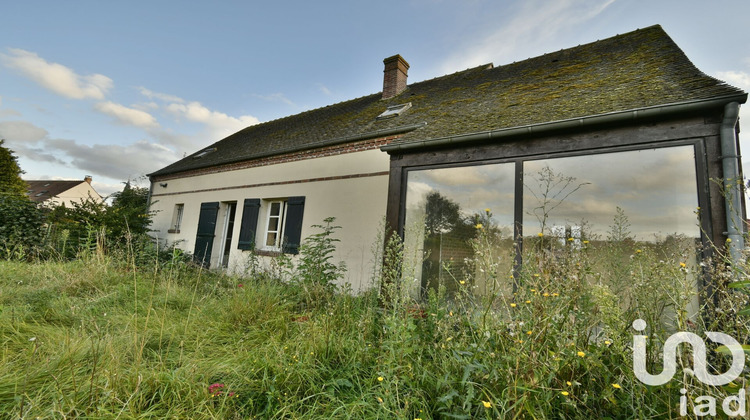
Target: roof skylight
{"x": 204, "y": 152}
{"x": 394, "y": 111}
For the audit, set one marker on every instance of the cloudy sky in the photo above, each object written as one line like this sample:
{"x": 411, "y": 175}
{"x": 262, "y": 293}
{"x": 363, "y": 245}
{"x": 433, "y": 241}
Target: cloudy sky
{"x": 120, "y": 89}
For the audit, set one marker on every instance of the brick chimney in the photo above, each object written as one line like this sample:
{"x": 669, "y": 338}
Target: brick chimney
{"x": 88, "y": 178}
{"x": 394, "y": 76}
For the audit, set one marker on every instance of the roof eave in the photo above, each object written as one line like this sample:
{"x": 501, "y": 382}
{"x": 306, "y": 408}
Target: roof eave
{"x": 657, "y": 111}
{"x": 331, "y": 142}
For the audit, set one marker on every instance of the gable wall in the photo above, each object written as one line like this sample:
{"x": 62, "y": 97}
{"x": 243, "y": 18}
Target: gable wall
{"x": 82, "y": 191}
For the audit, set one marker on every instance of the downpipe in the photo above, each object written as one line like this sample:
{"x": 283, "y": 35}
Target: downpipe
{"x": 732, "y": 182}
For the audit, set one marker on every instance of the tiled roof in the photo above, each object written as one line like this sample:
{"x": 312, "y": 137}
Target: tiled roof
{"x": 640, "y": 69}
{"x": 45, "y": 189}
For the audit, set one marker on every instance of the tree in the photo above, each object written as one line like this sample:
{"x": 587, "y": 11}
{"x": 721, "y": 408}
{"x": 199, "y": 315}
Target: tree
{"x": 10, "y": 173}
{"x": 20, "y": 220}
{"x": 441, "y": 213}
{"x": 129, "y": 211}
{"x": 75, "y": 226}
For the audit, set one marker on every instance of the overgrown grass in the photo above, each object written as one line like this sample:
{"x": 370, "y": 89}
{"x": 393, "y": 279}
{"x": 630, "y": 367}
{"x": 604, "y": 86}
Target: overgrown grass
{"x": 106, "y": 337}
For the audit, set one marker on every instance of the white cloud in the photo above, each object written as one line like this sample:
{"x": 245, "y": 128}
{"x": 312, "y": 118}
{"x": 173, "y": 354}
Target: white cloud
{"x": 56, "y": 77}
{"x": 220, "y": 124}
{"x": 115, "y": 161}
{"x": 535, "y": 23}
{"x": 276, "y": 97}
{"x": 21, "y": 132}
{"x": 165, "y": 97}
{"x": 24, "y": 138}
{"x": 105, "y": 189}
{"x": 324, "y": 89}
{"x": 125, "y": 115}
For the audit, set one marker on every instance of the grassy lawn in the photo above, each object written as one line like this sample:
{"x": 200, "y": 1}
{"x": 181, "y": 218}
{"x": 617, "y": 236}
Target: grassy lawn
{"x": 99, "y": 337}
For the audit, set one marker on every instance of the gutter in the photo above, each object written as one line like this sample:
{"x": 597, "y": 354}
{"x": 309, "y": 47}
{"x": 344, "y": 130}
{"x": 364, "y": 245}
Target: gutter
{"x": 732, "y": 181}
{"x": 332, "y": 142}
{"x": 592, "y": 120}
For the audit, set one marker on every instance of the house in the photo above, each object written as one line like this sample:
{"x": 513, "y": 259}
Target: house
{"x": 54, "y": 193}
{"x": 553, "y": 145}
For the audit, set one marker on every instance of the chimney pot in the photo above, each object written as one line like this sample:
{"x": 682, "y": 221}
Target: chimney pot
{"x": 394, "y": 76}
{"x": 88, "y": 179}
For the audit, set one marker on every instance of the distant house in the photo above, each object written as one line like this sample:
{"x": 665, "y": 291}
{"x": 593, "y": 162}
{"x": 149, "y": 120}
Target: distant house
{"x": 625, "y": 125}
{"x": 54, "y": 193}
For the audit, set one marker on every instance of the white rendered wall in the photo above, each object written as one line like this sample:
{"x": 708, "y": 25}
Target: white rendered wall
{"x": 356, "y": 198}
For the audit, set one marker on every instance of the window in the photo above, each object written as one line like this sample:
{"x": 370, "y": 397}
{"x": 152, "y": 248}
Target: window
{"x": 279, "y": 231}
{"x": 177, "y": 218}
{"x": 624, "y": 200}
{"x": 204, "y": 152}
{"x": 394, "y": 111}
{"x": 275, "y": 225}
{"x": 443, "y": 209}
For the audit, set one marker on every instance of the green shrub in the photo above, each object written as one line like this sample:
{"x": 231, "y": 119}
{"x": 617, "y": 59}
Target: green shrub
{"x": 21, "y": 227}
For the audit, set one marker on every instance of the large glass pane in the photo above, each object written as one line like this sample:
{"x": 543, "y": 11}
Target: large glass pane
{"x": 449, "y": 208}
{"x": 626, "y": 220}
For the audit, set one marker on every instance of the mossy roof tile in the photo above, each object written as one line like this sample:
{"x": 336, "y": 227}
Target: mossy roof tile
{"x": 635, "y": 70}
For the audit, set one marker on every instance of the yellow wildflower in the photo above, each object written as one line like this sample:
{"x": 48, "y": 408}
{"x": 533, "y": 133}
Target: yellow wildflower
{"x": 682, "y": 265}
{"x": 729, "y": 239}
{"x": 380, "y": 400}
{"x": 607, "y": 342}
{"x": 637, "y": 251}
{"x": 479, "y": 226}
{"x": 533, "y": 290}
{"x": 462, "y": 282}
{"x": 545, "y": 294}
{"x": 555, "y": 294}
{"x": 540, "y": 234}
{"x": 513, "y": 305}
{"x": 581, "y": 354}
{"x": 528, "y": 301}
{"x": 616, "y": 386}
{"x": 585, "y": 242}
{"x": 571, "y": 239}
{"x": 569, "y": 383}
{"x": 528, "y": 332}
{"x": 565, "y": 393}
{"x": 487, "y": 210}
{"x": 487, "y": 404}
{"x": 380, "y": 379}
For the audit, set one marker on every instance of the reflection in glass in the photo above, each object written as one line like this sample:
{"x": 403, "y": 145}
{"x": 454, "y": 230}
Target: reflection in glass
{"x": 655, "y": 188}
{"x": 625, "y": 222}
{"x": 625, "y": 215}
{"x": 445, "y": 210}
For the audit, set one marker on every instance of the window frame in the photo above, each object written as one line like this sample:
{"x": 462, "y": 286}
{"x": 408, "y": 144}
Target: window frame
{"x": 522, "y": 155}
{"x": 177, "y": 216}
{"x": 254, "y": 231}
{"x": 280, "y": 227}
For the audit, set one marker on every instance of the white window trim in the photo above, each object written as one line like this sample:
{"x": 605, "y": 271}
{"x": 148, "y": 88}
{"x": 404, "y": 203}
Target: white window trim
{"x": 281, "y": 225}
{"x": 179, "y": 211}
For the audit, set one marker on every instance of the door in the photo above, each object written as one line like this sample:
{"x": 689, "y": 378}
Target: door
{"x": 204, "y": 239}
{"x": 229, "y": 212}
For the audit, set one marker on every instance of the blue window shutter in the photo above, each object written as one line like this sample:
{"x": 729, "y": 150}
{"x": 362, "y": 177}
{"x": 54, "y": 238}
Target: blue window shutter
{"x": 295, "y": 209}
{"x": 204, "y": 238}
{"x": 249, "y": 224}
